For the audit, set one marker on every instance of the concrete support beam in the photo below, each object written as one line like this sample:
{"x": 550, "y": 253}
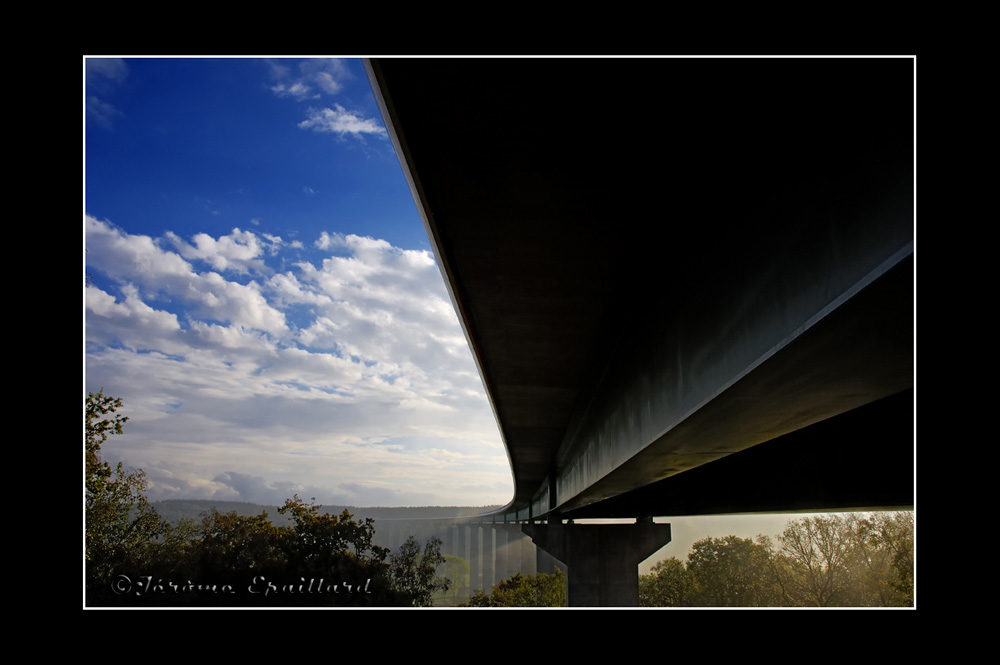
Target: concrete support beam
{"x": 489, "y": 556}
{"x": 500, "y": 572}
{"x": 475, "y": 557}
{"x": 514, "y": 538}
{"x": 602, "y": 559}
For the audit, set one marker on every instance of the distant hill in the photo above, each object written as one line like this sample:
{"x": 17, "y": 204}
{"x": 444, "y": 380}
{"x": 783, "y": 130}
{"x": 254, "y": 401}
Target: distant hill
{"x": 176, "y": 509}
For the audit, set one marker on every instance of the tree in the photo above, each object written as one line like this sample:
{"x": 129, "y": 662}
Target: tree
{"x": 414, "y": 574}
{"x": 121, "y": 527}
{"x": 846, "y": 560}
{"x": 541, "y": 590}
{"x": 458, "y": 572}
{"x": 899, "y": 535}
{"x": 232, "y": 548}
{"x": 731, "y": 572}
{"x": 325, "y": 542}
{"x": 881, "y": 558}
{"x": 817, "y": 549}
{"x": 321, "y": 559}
{"x": 668, "y": 584}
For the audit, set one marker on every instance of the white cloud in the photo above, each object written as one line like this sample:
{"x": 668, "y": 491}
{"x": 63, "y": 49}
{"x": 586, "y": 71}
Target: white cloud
{"x": 326, "y": 73}
{"x": 375, "y": 299}
{"x": 101, "y": 112}
{"x": 313, "y": 78}
{"x": 159, "y": 273}
{"x": 101, "y": 71}
{"x": 126, "y": 257}
{"x": 103, "y": 76}
{"x": 240, "y": 251}
{"x": 319, "y": 377}
{"x": 131, "y": 322}
{"x": 341, "y": 122}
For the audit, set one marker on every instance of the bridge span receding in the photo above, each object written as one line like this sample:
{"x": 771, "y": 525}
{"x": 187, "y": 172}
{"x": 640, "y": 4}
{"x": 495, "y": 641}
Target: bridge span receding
{"x": 670, "y": 270}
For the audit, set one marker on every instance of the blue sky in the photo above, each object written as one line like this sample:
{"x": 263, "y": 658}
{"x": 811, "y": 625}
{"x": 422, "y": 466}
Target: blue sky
{"x": 263, "y": 294}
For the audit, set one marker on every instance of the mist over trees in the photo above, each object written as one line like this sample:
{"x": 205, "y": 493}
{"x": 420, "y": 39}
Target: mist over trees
{"x": 135, "y": 558}
{"x": 541, "y": 590}
{"x": 838, "y": 560}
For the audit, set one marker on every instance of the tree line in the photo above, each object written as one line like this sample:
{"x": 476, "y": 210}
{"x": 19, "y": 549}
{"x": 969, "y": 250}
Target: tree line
{"x": 540, "y": 590}
{"x": 134, "y": 557}
{"x": 836, "y": 560}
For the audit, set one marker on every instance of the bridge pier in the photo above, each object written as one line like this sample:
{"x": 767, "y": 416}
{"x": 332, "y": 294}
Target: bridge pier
{"x": 602, "y": 559}
{"x": 475, "y": 557}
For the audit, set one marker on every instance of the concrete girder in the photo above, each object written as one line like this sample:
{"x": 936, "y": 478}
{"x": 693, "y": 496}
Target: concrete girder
{"x": 642, "y": 307}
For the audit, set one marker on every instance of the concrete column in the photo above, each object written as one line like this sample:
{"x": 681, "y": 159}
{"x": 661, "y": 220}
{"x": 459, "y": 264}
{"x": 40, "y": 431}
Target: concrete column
{"x": 602, "y": 560}
{"x": 389, "y": 534}
{"x": 489, "y": 556}
{"x": 475, "y": 557}
{"x": 514, "y": 537}
{"x": 500, "y": 572}
{"x": 394, "y": 530}
{"x": 444, "y": 535}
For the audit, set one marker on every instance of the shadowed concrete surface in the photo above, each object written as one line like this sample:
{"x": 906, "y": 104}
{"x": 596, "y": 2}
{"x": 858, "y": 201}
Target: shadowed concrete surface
{"x": 663, "y": 265}
{"x": 604, "y": 558}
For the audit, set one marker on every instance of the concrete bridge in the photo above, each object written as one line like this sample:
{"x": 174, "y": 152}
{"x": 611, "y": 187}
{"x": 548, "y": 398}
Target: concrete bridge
{"x": 688, "y": 283}
{"x": 493, "y": 551}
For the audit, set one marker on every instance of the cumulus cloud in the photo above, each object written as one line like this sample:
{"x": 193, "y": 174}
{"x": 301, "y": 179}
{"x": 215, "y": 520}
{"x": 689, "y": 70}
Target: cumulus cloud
{"x": 372, "y": 301}
{"x": 130, "y": 322}
{"x": 315, "y": 377}
{"x": 255, "y": 489}
{"x": 342, "y": 122}
{"x": 160, "y": 273}
{"x": 240, "y": 251}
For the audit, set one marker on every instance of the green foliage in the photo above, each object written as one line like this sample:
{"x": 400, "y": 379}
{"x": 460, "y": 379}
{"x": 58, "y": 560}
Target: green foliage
{"x": 120, "y": 527}
{"x": 323, "y": 540}
{"x": 848, "y": 560}
{"x": 541, "y": 590}
{"x": 815, "y": 552}
{"x": 97, "y": 428}
{"x": 135, "y": 558}
{"x": 232, "y": 547}
{"x": 458, "y": 572}
{"x": 668, "y": 585}
{"x": 414, "y": 574}
{"x": 888, "y": 552}
{"x": 730, "y": 572}
{"x": 844, "y": 560}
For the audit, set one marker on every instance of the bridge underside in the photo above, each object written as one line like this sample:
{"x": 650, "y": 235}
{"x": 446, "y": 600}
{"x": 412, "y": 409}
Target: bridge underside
{"x": 861, "y": 460}
{"x": 687, "y": 283}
